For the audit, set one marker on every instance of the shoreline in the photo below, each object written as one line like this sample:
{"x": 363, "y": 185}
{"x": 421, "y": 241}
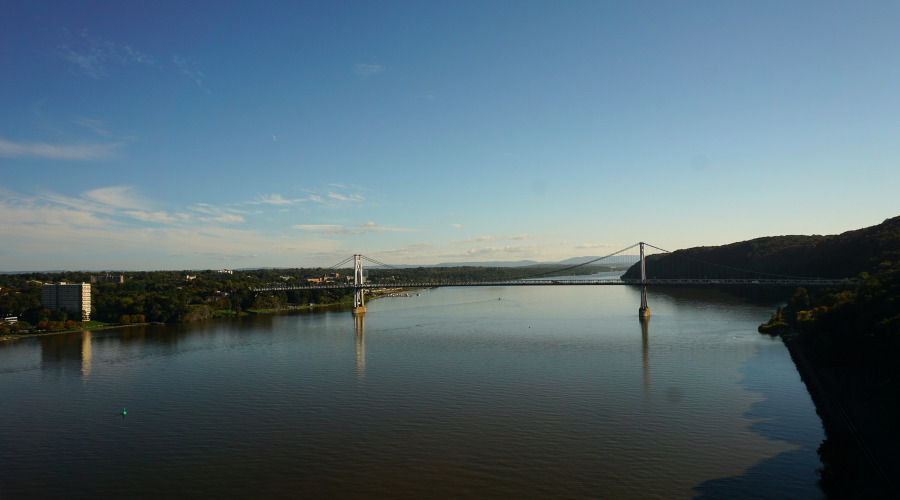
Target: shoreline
{"x": 45, "y": 334}
{"x": 873, "y": 468}
{"x": 386, "y": 292}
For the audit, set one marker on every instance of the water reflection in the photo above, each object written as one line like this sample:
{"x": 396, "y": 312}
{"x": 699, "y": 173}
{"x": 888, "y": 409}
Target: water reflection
{"x": 690, "y": 297}
{"x": 67, "y": 352}
{"x": 645, "y": 352}
{"x": 359, "y": 328}
{"x": 528, "y": 397}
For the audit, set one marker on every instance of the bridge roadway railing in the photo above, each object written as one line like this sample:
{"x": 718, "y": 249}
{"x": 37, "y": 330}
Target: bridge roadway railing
{"x": 570, "y": 282}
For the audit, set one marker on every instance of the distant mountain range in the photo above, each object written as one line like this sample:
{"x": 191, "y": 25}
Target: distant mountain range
{"x": 574, "y": 261}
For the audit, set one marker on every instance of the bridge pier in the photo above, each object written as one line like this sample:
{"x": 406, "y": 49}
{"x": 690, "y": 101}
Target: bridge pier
{"x": 359, "y": 302}
{"x": 359, "y": 306}
{"x": 644, "y": 310}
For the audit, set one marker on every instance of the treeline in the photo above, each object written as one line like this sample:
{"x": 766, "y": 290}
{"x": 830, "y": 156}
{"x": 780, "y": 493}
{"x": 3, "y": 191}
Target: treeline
{"x": 473, "y": 273}
{"x": 185, "y": 296}
{"x": 160, "y": 296}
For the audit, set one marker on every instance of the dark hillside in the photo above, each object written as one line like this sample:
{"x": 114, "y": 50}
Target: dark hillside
{"x": 845, "y": 255}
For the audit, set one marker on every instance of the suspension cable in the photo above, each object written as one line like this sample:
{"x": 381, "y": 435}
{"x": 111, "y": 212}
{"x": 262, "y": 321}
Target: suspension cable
{"x": 373, "y": 261}
{"x": 341, "y": 263}
{"x": 556, "y": 271}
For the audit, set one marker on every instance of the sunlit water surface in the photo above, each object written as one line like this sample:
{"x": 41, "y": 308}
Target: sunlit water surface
{"x": 548, "y": 392}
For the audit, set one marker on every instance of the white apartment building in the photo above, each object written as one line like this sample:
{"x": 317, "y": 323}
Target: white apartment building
{"x": 71, "y": 297}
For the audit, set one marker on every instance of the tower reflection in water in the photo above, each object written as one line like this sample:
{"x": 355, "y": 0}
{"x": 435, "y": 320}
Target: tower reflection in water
{"x": 645, "y": 351}
{"x": 359, "y": 328}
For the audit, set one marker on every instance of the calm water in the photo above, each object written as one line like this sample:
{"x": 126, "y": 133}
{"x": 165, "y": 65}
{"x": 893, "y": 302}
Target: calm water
{"x": 550, "y": 392}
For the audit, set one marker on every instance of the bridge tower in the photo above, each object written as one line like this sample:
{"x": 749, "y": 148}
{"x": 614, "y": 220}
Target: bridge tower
{"x": 359, "y": 304}
{"x": 644, "y": 310}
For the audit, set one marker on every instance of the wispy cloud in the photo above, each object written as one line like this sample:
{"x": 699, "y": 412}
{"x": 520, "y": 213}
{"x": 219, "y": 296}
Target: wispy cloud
{"x": 97, "y": 58}
{"x": 364, "y": 70}
{"x": 332, "y": 199}
{"x": 316, "y": 227}
{"x": 276, "y": 199}
{"x": 501, "y": 251}
{"x": 212, "y": 213}
{"x": 92, "y": 55}
{"x": 117, "y": 196}
{"x": 158, "y": 217}
{"x": 327, "y": 229}
{"x": 375, "y": 228}
{"x": 414, "y": 251}
{"x": 120, "y": 204}
{"x": 99, "y": 127}
{"x": 24, "y": 212}
{"x": 598, "y": 245}
{"x": 74, "y": 151}
{"x": 98, "y": 225}
{"x": 365, "y": 227}
{"x": 190, "y": 69}
{"x": 341, "y": 197}
{"x": 487, "y": 238}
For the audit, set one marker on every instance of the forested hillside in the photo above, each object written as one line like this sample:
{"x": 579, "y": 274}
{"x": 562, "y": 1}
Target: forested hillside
{"x": 845, "y": 255}
{"x": 855, "y": 332}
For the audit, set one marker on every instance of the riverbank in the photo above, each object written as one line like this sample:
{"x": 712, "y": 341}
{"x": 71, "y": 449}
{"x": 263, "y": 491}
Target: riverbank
{"x": 375, "y": 294}
{"x": 107, "y": 326}
{"x": 861, "y": 460}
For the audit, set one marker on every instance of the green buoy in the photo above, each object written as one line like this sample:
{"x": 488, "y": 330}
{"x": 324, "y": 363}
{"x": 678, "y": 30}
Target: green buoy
{"x": 124, "y": 412}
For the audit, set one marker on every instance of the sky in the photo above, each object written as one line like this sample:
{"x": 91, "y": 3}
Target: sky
{"x": 223, "y": 135}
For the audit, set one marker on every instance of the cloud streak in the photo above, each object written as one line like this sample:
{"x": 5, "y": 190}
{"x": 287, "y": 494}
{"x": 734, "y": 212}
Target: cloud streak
{"x": 69, "y": 152}
{"x": 365, "y": 227}
{"x": 117, "y": 196}
{"x": 115, "y": 227}
{"x": 332, "y": 198}
{"x": 190, "y": 69}
{"x": 340, "y": 197}
{"x": 597, "y": 245}
{"x": 488, "y": 238}
{"x": 96, "y": 57}
{"x": 364, "y": 70}
{"x": 277, "y": 199}
{"x": 499, "y": 251}
{"x": 93, "y": 56}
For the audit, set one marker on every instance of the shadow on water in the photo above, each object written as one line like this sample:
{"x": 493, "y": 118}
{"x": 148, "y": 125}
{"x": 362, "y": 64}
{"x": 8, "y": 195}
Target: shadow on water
{"x": 768, "y": 297}
{"x": 73, "y": 352}
{"x": 772, "y": 419}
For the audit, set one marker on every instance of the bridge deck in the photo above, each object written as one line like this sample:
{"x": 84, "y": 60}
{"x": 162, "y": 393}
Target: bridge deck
{"x": 570, "y": 282}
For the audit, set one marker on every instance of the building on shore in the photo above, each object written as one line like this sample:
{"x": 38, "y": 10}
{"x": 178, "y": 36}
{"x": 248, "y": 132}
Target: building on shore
{"x": 108, "y": 278}
{"x": 74, "y": 298}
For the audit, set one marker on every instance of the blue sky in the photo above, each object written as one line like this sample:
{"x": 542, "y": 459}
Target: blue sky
{"x": 206, "y": 135}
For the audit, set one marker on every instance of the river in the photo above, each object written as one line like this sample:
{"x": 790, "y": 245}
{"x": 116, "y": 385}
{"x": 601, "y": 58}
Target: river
{"x": 506, "y": 392}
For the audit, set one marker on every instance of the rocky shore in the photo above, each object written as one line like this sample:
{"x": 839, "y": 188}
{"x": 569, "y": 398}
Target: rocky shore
{"x": 861, "y": 460}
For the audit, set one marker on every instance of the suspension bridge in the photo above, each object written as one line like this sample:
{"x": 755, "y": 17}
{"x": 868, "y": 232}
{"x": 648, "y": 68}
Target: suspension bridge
{"x": 632, "y": 262}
